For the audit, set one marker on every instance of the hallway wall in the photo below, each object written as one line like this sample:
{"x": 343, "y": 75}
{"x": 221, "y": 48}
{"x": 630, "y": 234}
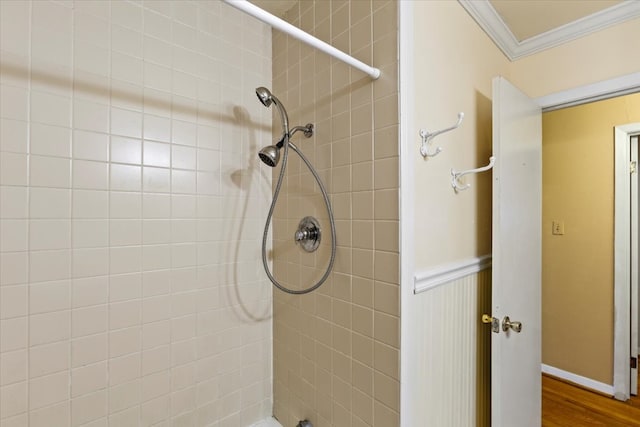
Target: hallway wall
{"x": 578, "y": 267}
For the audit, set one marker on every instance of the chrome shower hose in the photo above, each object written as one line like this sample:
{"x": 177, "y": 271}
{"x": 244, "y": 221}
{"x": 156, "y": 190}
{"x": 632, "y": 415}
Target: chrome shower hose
{"x": 276, "y": 192}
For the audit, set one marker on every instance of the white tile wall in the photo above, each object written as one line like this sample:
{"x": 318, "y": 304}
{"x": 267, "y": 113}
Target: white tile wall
{"x": 131, "y": 207}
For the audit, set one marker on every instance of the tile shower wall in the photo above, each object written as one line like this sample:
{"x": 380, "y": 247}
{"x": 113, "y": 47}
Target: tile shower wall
{"x": 336, "y": 350}
{"x": 131, "y": 208}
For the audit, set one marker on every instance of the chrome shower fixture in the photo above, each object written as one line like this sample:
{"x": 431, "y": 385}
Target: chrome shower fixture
{"x": 264, "y": 95}
{"x": 267, "y": 98}
{"x": 308, "y": 234}
{"x": 271, "y": 155}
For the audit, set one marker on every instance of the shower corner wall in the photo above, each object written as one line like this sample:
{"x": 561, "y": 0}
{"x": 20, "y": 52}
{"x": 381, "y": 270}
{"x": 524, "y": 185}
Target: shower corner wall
{"x": 336, "y": 350}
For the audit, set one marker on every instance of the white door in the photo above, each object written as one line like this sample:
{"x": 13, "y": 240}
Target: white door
{"x": 516, "y": 286}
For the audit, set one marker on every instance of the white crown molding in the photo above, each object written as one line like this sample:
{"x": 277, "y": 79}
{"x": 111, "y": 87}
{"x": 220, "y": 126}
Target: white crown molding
{"x": 491, "y": 22}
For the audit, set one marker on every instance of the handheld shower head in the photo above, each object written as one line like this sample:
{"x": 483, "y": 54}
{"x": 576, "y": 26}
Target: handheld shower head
{"x": 264, "y": 96}
{"x": 270, "y": 155}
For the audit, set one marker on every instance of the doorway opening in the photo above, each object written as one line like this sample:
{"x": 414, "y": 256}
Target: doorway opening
{"x": 587, "y": 245}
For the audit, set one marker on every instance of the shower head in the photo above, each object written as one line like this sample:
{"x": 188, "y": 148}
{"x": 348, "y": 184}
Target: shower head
{"x": 270, "y": 155}
{"x": 264, "y": 96}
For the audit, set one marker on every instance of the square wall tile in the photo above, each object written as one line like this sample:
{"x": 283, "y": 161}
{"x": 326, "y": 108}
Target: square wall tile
{"x": 90, "y": 145}
{"x": 13, "y": 301}
{"x": 49, "y": 203}
{"x": 49, "y": 327}
{"x": 49, "y": 234}
{"x": 13, "y": 169}
{"x": 49, "y": 297}
{"x": 13, "y": 367}
{"x": 14, "y": 103}
{"x": 13, "y": 202}
{"x": 49, "y": 358}
{"x": 51, "y": 109}
{"x": 90, "y": 175}
{"x": 13, "y": 136}
{"x": 14, "y": 234}
{"x": 125, "y": 178}
{"x": 49, "y": 140}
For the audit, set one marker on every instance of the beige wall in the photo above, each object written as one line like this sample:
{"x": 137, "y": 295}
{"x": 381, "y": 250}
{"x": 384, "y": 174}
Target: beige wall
{"x": 455, "y": 62}
{"x": 336, "y": 351}
{"x": 131, "y": 208}
{"x": 577, "y": 267}
{"x": 599, "y": 56}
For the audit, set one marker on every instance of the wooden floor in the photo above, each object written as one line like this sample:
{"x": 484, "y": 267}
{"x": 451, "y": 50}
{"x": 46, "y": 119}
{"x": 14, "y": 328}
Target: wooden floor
{"x": 565, "y": 405}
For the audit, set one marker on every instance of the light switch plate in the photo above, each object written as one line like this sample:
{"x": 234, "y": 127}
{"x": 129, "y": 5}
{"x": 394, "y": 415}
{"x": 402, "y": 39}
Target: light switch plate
{"x": 557, "y": 228}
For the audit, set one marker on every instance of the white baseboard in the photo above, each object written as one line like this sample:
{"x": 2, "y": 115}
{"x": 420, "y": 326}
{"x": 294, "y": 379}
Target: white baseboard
{"x": 578, "y": 379}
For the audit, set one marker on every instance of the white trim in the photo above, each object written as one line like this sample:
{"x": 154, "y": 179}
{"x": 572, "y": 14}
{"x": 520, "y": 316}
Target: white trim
{"x": 617, "y": 86}
{"x": 491, "y": 22}
{"x": 578, "y": 379}
{"x": 438, "y": 276}
{"x": 633, "y": 259}
{"x": 406, "y": 193}
{"x": 303, "y": 36}
{"x": 622, "y": 262}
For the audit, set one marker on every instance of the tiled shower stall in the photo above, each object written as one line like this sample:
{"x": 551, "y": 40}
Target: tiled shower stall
{"x": 132, "y": 205}
{"x": 131, "y": 210}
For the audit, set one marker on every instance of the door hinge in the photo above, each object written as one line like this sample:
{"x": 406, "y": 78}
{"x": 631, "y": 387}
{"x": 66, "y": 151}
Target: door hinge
{"x": 634, "y": 363}
{"x": 633, "y": 167}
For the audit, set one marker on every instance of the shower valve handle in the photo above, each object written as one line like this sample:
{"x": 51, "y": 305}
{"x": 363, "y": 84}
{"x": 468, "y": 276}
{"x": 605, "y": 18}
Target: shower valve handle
{"x": 302, "y": 235}
{"x": 308, "y": 234}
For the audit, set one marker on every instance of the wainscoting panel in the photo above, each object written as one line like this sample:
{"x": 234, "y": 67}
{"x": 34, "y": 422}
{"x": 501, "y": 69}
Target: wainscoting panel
{"x": 455, "y": 350}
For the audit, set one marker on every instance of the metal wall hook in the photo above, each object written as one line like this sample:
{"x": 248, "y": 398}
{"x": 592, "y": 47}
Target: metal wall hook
{"x": 455, "y": 176}
{"x": 427, "y": 138}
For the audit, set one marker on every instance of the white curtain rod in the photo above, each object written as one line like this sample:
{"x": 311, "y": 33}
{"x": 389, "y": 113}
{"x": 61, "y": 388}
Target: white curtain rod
{"x": 296, "y": 32}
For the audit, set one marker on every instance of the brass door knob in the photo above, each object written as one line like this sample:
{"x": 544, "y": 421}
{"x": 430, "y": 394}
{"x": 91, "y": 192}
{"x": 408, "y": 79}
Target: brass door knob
{"x": 513, "y": 325}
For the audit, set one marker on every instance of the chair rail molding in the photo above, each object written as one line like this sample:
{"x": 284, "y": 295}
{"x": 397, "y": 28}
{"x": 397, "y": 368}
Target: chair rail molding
{"x": 429, "y": 279}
